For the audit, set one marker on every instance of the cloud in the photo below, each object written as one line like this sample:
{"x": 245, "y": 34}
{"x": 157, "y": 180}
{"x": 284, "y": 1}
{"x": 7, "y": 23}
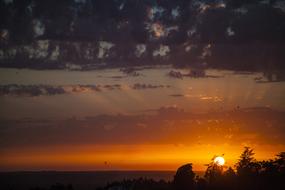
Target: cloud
{"x": 131, "y": 71}
{"x": 175, "y": 74}
{"x": 50, "y": 90}
{"x": 193, "y": 73}
{"x": 156, "y": 29}
{"x": 192, "y": 31}
{"x": 269, "y": 76}
{"x": 200, "y": 97}
{"x": 121, "y": 6}
{"x": 155, "y": 12}
{"x": 8, "y": 1}
{"x": 140, "y": 50}
{"x": 159, "y": 30}
{"x": 177, "y": 95}
{"x": 241, "y": 11}
{"x": 202, "y": 7}
{"x": 104, "y": 48}
{"x": 80, "y": 1}
{"x": 280, "y": 5}
{"x": 38, "y": 27}
{"x": 55, "y": 54}
{"x": 230, "y": 31}
{"x": 211, "y": 98}
{"x": 168, "y": 125}
{"x": 175, "y": 12}
{"x": 39, "y": 50}
{"x": 162, "y": 51}
{"x": 73, "y": 67}
{"x": 207, "y": 52}
{"x": 30, "y": 90}
{"x": 89, "y": 41}
{"x": 4, "y": 35}
{"x": 139, "y": 86}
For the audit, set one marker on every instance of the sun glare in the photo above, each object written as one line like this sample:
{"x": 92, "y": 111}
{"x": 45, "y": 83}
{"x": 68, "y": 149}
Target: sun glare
{"x": 220, "y": 161}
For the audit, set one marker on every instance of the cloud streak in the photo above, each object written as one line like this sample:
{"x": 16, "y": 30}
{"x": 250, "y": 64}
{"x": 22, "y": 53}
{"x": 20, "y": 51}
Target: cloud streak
{"x": 52, "y": 90}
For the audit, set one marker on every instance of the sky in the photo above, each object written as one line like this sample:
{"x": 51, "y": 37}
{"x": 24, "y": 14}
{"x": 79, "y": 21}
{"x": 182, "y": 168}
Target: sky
{"x": 109, "y": 120}
{"x": 139, "y": 84}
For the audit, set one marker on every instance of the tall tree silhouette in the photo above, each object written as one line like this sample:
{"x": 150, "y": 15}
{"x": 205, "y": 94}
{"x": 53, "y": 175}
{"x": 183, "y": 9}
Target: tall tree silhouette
{"x": 214, "y": 175}
{"x": 247, "y": 169}
{"x": 184, "y": 178}
{"x": 247, "y": 164}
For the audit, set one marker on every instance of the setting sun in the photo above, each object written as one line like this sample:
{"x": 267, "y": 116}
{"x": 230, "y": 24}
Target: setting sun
{"x": 220, "y": 161}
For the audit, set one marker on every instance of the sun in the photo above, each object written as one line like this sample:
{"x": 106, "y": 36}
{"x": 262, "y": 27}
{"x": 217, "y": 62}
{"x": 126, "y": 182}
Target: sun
{"x": 220, "y": 161}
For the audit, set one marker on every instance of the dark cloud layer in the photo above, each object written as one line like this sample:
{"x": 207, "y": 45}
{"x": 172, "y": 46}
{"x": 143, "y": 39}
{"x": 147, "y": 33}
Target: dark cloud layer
{"x": 83, "y": 35}
{"x": 168, "y": 125}
{"x": 50, "y": 90}
{"x": 194, "y": 73}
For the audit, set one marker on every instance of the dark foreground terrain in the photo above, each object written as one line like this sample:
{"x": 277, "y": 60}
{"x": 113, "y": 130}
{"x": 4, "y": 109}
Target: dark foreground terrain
{"x": 79, "y": 180}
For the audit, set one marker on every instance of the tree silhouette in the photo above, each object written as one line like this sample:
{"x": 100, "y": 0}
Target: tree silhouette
{"x": 280, "y": 161}
{"x": 201, "y": 183}
{"x": 214, "y": 175}
{"x": 229, "y": 179}
{"x": 249, "y": 174}
{"x": 272, "y": 173}
{"x": 248, "y": 170}
{"x": 184, "y": 178}
{"x": 247, "y": 164}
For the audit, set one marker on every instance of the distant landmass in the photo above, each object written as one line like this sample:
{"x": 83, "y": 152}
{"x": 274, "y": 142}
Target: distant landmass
{"x": 84, "y": 180}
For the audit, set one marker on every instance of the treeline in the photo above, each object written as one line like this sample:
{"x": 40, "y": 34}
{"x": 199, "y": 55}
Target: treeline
{"x": 248, "y": 174}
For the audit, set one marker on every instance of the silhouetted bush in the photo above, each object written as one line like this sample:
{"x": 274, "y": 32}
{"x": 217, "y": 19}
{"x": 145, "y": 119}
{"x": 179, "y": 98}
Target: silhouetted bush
{"x": 184, "y": 178}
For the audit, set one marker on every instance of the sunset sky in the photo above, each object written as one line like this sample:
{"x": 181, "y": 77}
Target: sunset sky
{"x": 139, "y": 84}
{"x": 137, "y": 127}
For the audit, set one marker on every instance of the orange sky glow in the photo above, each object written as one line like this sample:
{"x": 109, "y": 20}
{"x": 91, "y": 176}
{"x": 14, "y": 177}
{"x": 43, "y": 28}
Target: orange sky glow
{"x": 124, "y": 157}
{"x": 148, "y": 122}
